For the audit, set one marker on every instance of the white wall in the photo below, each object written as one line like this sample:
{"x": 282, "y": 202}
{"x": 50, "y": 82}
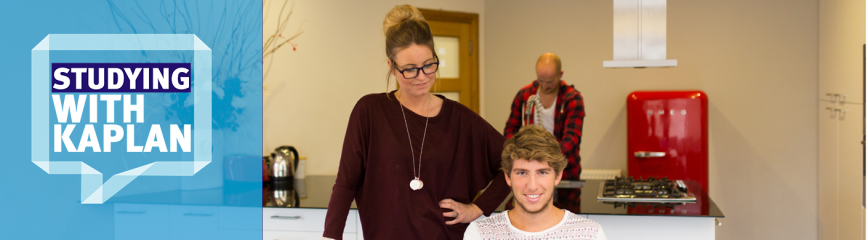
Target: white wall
{"x": 756, "y": 60}
{"x": 340, "y": 57}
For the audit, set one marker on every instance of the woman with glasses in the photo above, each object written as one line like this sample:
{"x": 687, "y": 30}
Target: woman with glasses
{"x": 414, "y": 162}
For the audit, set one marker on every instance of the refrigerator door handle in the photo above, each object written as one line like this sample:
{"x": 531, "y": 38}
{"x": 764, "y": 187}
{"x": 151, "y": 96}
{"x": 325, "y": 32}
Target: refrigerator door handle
{"x": 644, "y": 154}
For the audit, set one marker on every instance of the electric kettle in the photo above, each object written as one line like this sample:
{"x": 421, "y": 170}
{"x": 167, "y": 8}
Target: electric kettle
{"x": 284, "y": 162}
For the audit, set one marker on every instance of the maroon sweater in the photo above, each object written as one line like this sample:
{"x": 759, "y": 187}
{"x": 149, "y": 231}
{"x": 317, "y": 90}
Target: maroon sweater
{"x": 460, "y": 158}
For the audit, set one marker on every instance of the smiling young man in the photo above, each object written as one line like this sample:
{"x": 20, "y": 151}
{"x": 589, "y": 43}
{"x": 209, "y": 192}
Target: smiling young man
{"x": 532, "y": 162}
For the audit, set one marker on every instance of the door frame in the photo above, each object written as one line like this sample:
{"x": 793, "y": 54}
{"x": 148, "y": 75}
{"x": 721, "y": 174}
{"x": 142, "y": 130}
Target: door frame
{"x": 473, "y": 20}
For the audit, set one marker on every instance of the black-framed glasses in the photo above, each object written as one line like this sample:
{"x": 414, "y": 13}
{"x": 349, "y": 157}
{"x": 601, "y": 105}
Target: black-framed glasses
{"x": 414, "y": 72}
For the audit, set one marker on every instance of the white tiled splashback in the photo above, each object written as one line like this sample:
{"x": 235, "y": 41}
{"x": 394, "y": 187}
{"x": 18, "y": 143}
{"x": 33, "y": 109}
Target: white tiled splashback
{"x": 600, "y": 174}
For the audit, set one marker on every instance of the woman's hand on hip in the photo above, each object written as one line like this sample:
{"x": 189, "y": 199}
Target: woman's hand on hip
{"x": 463, "y": 213}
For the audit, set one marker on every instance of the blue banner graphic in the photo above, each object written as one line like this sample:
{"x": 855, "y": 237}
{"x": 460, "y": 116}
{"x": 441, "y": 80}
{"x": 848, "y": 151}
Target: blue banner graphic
{"x": 137, "y": 120}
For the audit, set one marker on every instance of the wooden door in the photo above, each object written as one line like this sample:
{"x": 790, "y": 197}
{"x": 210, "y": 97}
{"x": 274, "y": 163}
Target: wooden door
{"x": 456, "y": 40}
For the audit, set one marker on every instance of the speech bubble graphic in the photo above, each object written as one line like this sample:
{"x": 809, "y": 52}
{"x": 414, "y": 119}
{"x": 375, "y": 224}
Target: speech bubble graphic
{"x": 93, "y": 190}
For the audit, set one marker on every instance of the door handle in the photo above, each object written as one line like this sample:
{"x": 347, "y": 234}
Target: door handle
{"x": 644, "y": 154}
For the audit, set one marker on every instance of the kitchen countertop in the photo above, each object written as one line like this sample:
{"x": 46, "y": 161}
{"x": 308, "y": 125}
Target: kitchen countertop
{"x": 318, "y": 189}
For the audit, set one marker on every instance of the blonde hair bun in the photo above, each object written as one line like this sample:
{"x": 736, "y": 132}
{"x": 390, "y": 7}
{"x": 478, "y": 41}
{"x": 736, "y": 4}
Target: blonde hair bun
{"x": 399, "y": 14}
{"x": 405, "y": 26}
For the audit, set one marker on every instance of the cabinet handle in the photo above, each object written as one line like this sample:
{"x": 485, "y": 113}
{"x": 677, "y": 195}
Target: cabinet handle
{"x": 130, "y": 212}
{"x": 286, "y": 217}
{"x": 644, "y": 154}
{"x": 198, "y": 214}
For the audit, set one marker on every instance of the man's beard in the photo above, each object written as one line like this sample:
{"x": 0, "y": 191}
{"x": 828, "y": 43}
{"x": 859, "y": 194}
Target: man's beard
{"x": 548, "y": 202}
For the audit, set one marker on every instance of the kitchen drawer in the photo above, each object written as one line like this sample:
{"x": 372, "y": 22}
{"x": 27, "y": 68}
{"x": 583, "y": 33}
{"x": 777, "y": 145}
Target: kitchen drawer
{"x": 141, "y": 221}
{"x": 241, "y": 218}
{"x": 237, "y": 234}
{"x": 359, "y": 232}
{"x": 194, "y": 222}
{"x": 302, "y": 219}
{"x": 656, "y": 227}
{"x": 287, "y": 235}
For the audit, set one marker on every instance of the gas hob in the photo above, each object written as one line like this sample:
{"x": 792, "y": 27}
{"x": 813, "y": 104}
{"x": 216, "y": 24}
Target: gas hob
{"x": 651, "y": 190}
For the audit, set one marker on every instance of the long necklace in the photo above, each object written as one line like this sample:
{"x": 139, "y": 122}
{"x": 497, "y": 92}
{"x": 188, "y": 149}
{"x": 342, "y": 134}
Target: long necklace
{"x": 416, "y": 184}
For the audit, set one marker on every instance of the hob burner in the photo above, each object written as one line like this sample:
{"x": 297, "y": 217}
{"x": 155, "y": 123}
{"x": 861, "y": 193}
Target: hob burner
{"x": 651, "y": 190}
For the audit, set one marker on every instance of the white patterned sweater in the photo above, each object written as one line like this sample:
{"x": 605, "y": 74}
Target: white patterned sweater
{"x": 571, "y": 227}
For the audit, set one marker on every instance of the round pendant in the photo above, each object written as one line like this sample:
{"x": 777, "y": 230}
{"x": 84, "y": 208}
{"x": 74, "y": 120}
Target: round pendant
{"x": 416, "y": 184}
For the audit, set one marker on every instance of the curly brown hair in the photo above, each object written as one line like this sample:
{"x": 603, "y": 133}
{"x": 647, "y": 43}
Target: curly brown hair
{"x": 533, "y": 143}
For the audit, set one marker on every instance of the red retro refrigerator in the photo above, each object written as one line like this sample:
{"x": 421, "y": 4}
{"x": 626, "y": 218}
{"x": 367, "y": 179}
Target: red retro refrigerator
{"x": 667, "y": 135}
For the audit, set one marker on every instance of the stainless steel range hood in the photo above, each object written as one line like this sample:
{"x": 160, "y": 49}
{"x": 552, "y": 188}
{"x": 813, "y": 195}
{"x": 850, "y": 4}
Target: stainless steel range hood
{"x": 639, "y": 35}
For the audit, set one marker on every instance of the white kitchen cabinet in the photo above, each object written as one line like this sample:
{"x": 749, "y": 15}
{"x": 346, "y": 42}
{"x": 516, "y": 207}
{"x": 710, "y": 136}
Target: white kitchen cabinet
{"x": 621, "y": 227}
{"x": 162, "y": 221}
{"x": 234, "y": 234}
{"x": 359, "y": 231}
{"x": 840, "y": 210}
{"x": 141, "y": 221}
{"x": 307, "y": 223}
{"x": 303, "y": 223}
{"x": 237, "y": 226}
{"x": 193, "y": 222}
{"x": 839, "y": 202}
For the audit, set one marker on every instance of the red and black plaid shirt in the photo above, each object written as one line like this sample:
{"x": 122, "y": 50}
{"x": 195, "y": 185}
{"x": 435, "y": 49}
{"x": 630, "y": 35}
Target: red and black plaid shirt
{"x": 569, "y": 115}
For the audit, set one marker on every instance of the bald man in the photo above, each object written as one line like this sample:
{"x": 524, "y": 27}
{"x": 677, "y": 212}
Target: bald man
{"x": 557, "y": 107}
